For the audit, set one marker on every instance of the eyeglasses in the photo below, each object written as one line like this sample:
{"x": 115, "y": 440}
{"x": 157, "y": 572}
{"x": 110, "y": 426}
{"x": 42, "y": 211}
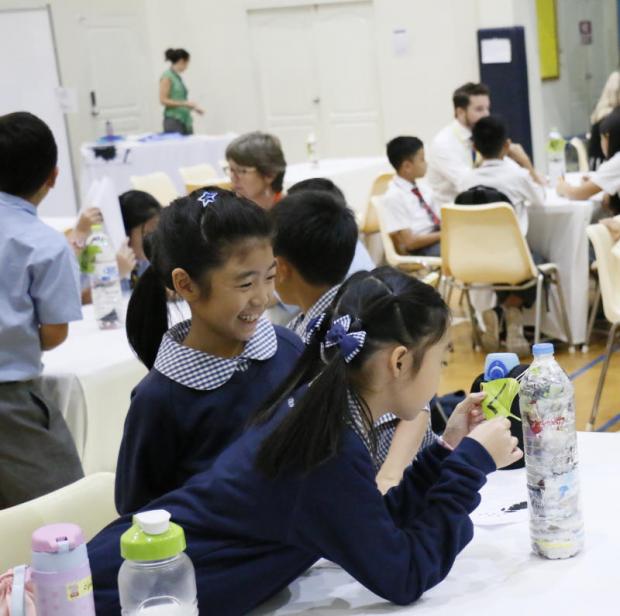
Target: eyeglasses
{"x": 239, "y": 171}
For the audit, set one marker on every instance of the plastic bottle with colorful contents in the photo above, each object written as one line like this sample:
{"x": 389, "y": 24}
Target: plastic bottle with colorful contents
{"x": 548, "y": 414}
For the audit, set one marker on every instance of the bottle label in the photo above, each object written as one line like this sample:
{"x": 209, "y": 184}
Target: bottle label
{"x": 105, "y": 272}
{"x": 79, "y": 589}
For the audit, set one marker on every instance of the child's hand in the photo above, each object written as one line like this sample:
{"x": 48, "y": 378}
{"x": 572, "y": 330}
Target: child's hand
{"x": 465, "y": 417}
{"x": 494, "y": 435}
{"x": 89, "y": 217}
{"x": 126, "y": 259}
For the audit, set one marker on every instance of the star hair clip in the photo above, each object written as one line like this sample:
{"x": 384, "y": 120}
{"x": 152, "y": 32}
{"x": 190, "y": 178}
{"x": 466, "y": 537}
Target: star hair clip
{"x": 207, "y": 197}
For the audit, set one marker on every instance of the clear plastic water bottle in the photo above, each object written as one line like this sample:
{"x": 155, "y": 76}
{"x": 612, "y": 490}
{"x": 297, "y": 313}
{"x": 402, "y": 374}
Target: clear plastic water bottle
{"x": 556, "y": 159}
{"x": 550, "y": 441}
{"x": 61, "y": 572}
{"x": 311, "y": 149}
{"x": 157, "y": 577}
{"x": 109, "y": 129}
{"x": 104, "y": 279}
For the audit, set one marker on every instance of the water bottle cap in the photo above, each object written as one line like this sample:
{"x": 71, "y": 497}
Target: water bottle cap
{"x": 155, "y": 522}
{"x": 152, "y": 537}
{"x": 498, "y": 365}
{"x": 55, "y": 538}
{"x": 543, "y": 348}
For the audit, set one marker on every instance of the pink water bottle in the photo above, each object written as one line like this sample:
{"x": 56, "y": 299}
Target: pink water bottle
{"x": 61, "y": 572}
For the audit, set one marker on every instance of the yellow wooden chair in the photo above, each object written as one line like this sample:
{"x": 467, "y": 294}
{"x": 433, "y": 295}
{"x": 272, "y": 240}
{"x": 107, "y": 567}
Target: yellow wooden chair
{"x": 608, "y": 266}
{"x": 157, "y": 184}
{"x": 482, "y": 247}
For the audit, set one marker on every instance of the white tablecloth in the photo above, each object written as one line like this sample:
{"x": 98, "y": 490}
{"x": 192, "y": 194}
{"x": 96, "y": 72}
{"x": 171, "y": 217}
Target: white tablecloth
{"x": 558, "y": 232}
{"x": 497, "y": 573}
{"x": 138, "y": 158}
{"x": 90, "y": 377}
{"x": 354, "y": 176}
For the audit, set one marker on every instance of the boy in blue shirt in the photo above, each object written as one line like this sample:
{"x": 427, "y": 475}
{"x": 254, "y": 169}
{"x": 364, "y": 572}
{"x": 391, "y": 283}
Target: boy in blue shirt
{"x": 39, "y": 295}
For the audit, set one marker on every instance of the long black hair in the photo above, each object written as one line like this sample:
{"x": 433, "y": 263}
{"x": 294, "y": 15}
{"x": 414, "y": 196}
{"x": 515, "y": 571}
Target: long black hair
{"x": 610, "y": 126}
{"x": 196, "y": 233}
{"x": 391, "y": 307}
{"x": 137, "y": 208}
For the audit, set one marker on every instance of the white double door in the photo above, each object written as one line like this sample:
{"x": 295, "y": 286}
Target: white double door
{"x": 315, "y": 69}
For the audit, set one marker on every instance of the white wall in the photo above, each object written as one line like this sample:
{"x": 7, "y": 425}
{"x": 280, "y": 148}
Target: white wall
{"x": 415, "y": 89}
{"x": 569, "y": 100}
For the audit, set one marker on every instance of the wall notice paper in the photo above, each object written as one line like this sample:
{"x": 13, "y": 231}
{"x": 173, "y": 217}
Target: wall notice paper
{"x": 495, "y": 51}
{"x": 400, "y": 41}
{"x": 102, "y": 195}
{"x": 67, "y": 98}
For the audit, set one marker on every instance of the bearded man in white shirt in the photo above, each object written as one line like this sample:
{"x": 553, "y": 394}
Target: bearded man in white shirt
{"x": 452, "y": 153}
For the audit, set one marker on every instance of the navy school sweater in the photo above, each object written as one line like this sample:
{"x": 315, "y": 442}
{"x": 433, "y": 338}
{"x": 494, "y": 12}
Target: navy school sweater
{"x": 173, "y": 432}
{"x": 249, "y": 536}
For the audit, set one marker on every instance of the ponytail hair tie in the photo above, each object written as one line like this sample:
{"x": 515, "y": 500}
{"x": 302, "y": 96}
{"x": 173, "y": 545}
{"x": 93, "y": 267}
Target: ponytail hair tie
{"x": 313, "y": 327}
{"x": 338, "y": 334}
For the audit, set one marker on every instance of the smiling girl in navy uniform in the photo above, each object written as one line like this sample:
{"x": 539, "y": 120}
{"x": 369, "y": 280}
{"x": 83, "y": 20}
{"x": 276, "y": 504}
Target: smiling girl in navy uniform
{"x": 207, "y": 374}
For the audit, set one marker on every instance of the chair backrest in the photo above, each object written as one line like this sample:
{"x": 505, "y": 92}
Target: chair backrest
{"x": 608, "y": 266}
{"x": 483, "y": 243}
{"x": 370, "y": 220}
{"x": 582, "y": 154}
{"x": 223, "y": 183}
{"x": 197, "y": 174}
{"x": 391, "y": 256}
{"x": 88, "y": 502}
{"x": 157, "y": 184}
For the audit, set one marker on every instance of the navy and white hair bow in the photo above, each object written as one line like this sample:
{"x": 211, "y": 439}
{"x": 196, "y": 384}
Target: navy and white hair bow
{"x": 313, "y": 326}
{"x": 207, "y": 197}
{"x": 350, "y": 343}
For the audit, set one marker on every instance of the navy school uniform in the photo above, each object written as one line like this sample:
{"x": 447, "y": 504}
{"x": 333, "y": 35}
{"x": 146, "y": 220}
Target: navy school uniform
{"x": 192, "y": 405}
{"x": 249, "y": 536}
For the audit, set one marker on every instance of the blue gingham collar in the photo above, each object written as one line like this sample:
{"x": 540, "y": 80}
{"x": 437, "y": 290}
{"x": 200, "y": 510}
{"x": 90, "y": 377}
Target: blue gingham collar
{"x": 359, "y": 426}
{"x": 202, "y": 371}
{"x": 300, "y": 323}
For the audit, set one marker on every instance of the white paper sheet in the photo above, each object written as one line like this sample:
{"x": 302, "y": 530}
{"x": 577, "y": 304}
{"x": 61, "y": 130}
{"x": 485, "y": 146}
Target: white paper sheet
{"x": 496, "y": 51}
{"x": 102, "y": 195}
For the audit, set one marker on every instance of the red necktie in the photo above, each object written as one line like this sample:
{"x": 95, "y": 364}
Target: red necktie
{"x": 427, "y": 208}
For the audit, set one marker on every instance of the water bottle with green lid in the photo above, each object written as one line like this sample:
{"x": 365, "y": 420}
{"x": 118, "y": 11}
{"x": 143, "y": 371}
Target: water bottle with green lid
{"x": 157, "y": 577}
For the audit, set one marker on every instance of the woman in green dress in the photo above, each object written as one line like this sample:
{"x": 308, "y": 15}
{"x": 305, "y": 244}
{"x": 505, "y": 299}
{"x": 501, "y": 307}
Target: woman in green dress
{"x": 173, "y": 95}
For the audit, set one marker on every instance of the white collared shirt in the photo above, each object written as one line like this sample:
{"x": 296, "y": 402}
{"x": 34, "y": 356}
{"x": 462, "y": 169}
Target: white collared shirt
{"x": 450, "y": 157}
{"x": 402, "y": 209}
{"x": 607, "y": 176}
{"x": 514, "y": 181}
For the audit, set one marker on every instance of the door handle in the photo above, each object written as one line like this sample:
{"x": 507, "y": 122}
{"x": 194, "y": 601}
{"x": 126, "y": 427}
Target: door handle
{"x": 93, "y": 104}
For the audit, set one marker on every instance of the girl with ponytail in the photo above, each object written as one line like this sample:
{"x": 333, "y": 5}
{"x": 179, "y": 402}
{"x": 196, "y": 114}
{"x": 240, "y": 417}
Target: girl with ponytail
{"x": 300, "y": 483}
{"x": 207, "y": 374}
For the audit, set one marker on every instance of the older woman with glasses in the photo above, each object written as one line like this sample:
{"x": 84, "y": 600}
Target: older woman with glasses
{"x": 256, "y": 166}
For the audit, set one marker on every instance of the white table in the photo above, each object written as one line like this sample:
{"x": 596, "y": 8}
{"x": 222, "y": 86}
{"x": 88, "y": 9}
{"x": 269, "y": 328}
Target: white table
{"x": 354, "y": 176}
{"x": 558, "y": 232}
{"x": 139, "y": 158}
{"x": 90, "y": 377}
{"x": 497, "y": 573}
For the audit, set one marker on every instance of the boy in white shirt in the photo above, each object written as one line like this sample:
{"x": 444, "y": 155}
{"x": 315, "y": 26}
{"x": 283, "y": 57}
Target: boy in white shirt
{"x": 412, "y": 220}
{"x": 504, "y": 175}
{"x": 500, "y": 172}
